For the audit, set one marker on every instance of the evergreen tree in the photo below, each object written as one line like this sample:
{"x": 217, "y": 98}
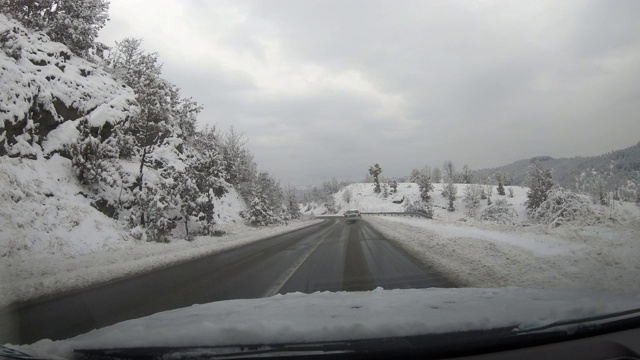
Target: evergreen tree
{"x": 500, "y": 178}
{"x": 293, "y": 207}
{"x": 394, "y": 186}
{"x": 92, "y": 159}
{"x": 74, "y": 23}
{"x": 414, "y": 176}
{"x": 540, "y": 181}
{"x": 451, "y": 195}
{"x": 258, "y": 212}
{"x": 375, "y": 171}
{"x": 424, "y": 184}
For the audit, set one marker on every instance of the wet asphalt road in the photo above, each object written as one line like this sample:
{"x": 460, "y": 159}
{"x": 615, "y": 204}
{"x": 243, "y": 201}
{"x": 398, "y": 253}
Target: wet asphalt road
{"x": 336, "y": 255}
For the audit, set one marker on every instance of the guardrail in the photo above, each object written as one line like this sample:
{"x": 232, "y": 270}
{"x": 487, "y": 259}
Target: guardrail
{"x": 396, "y": 213}
{"x": 387, "y": 213}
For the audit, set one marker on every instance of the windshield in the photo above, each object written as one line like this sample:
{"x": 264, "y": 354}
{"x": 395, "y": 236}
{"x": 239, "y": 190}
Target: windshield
{"x": 302, "y": 172}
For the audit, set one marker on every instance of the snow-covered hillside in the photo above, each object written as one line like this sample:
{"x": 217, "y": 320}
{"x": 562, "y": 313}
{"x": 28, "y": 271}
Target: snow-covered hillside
{"x": 53, "y": 239}
{"x": 46, "y": 211}
{"x": 57, "y": 233}
{"x": 362, "y": 196}
{"x": 45, "y": 89}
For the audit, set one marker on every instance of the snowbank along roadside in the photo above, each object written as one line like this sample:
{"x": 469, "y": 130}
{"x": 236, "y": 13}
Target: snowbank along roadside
{"x": 595, "y": 258}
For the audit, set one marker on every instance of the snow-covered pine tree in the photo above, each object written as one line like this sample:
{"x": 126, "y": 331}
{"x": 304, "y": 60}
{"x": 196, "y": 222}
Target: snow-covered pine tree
{"x": 415, "y": 174}
{"x": 375, "y": 171}
{"x": 451, "y": 195}
{"x": 74, "y": 23}
{"x": 500, "y": 178}
{"x": 540, "y": 181}
{"x": 188, "y": 192}
{"x": 92, "y": 159}
{"x": 425, "y": 185}
{"x": 394, "y": 186}
{"x": 201, "y": 182}
{"x": 153, "y": 209}
{"x": 292, "y": 205}
{"x": 258, "y": 212}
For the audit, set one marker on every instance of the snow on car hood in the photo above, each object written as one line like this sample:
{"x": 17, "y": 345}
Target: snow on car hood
{"x": 327, "y": 316}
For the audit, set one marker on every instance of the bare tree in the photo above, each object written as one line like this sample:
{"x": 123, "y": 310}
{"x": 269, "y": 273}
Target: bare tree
{"x": 449, "y": 170}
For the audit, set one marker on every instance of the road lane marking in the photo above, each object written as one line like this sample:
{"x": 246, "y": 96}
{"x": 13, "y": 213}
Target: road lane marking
{"x": 277, "y": 285}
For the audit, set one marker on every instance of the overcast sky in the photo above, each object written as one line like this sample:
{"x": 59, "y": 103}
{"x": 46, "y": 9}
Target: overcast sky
{"x": 327, "y": 88}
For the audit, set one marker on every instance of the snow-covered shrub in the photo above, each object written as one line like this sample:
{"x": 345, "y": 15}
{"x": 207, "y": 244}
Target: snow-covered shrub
{"x": 420, "y": 207}
{"x": 93, "y": 160}
{"x": 562, "y": 207}
{"x": 501, "y": 212}
{"x": 10, "y": 44}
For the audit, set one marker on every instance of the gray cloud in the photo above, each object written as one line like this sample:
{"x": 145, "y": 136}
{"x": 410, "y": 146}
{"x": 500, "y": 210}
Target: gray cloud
{"x": 327, "y": 88}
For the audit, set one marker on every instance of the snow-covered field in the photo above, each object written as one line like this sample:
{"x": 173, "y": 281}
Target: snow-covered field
{"x": 52, "y": 239}
{"x": 363, "y": 198}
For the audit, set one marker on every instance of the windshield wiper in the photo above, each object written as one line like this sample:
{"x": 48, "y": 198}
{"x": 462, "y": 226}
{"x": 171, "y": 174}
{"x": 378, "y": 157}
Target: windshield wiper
{"x": 588, "y": 323}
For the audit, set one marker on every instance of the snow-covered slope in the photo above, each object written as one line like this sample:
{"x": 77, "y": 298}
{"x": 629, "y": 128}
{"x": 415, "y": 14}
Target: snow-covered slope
{"x": 52, "y": 235}
{"x": 45, "y": 89}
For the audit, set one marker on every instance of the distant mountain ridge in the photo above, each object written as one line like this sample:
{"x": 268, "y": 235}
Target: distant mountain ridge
{"x": 620, "y": 170}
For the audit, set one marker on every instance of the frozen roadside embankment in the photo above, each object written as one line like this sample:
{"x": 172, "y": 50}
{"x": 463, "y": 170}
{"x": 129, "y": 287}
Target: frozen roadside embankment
{"x": 25, "y": 279}
{"x": 597, "y": 258}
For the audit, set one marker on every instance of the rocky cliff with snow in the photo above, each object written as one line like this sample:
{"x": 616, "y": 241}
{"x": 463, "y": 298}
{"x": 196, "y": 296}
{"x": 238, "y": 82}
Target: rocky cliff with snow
{"x": 59, "y": 114}
{"x": 46, "y": 89}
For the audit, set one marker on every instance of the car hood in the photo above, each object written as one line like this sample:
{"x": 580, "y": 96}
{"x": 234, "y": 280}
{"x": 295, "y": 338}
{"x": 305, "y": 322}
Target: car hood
{"x": 340, "y": 316}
